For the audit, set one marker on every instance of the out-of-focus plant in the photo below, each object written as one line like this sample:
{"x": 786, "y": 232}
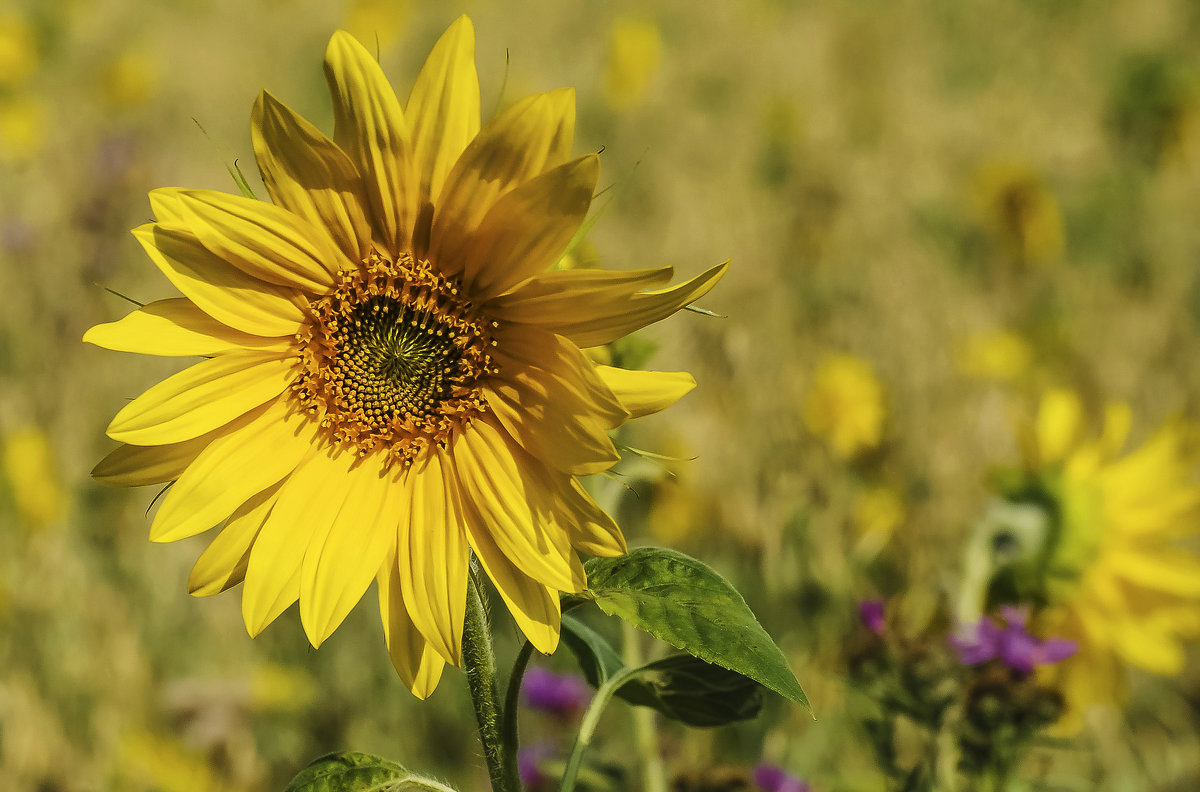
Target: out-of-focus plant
{"x": 844, "y": 405}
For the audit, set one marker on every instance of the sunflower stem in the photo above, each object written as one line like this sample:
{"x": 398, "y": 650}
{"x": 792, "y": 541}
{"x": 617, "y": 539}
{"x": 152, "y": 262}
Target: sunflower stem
{"x": 479, "y": 662}
{"x": 512, "y": 699}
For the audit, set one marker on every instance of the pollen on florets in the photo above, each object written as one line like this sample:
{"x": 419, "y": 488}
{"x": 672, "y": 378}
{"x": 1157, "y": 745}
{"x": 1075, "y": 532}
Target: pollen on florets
{"x": 392, "y": 359}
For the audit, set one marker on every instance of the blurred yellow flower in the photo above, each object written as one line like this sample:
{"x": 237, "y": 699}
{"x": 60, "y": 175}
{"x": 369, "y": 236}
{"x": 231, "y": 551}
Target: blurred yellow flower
{"x": 392, "y": 383}
{"x": 22, "y": 127}
{"x": 164, "y": 764}
{"x": 634, "y": 47}
{"x": 1116, "y": 575}
{"x": 381, "y": 21}
{"x": 1001, "y": 356}
{"x": 18, "y": 50}
{"x": 130, "y": 80}
{"x": 29, "y": 468}
{"x": 878, "y": 512}
{"x": 276, "y": 688}
{"x": 1020, "y": 211}
{"x": 844, "y": 405}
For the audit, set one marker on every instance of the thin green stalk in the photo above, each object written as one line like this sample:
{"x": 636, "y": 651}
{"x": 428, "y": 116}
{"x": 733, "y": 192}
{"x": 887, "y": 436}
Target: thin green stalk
{"x": 512, "y": 700}
{"x": 654, "y": 774}
{"x": 479, "y": 662}
{"x": 591, "y": 717}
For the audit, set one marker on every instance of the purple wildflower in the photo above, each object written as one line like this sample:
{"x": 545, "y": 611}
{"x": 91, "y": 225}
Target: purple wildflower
{"x": 1011, "y": 644}
{"x": 871, "y": 614}
{"x": 775, "y": 779}
{"x": 560, "y": 694}
{"x": 529, "y": 760}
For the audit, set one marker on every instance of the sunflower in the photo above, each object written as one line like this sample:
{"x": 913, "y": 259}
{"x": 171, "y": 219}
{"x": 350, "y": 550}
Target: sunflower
{"x": 1107, "y": 566}
{"x": 392, "y": 380}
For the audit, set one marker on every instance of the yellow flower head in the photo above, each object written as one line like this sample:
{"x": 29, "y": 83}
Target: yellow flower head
{"x": 130, "y": 79}
{"x": 878, "y": 512}
{"x": 29, "y": 467}
{"x": 1002, "y": 356}
{"x": 1020, "y": 211}
{"x": 22, "y": 127}
{"x": 844, "y": 405}
{"x": 634, "y": 46}
{"x": 1110, "y": 572}
{"x": 18, "y": 50}
{"x": 392, "y": 381}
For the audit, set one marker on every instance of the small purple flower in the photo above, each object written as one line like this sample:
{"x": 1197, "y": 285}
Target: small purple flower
{"x": 561, "y": 694}
{"x": 529, "y": 760}
{"x": 1011, "y": 644}
{"x": 775, "y": 779}
{"x": 871, "y": 614}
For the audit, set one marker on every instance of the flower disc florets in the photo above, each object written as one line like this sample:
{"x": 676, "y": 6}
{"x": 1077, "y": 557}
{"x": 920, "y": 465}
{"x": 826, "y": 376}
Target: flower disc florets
{"x": 393, "y": 357}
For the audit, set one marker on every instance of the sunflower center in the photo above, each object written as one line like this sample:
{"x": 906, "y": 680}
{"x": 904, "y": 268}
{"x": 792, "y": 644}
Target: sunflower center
{"x": 392, "y": 359}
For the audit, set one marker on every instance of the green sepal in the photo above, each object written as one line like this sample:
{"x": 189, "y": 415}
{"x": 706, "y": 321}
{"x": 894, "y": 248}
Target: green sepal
{"x": 682, "y": 601}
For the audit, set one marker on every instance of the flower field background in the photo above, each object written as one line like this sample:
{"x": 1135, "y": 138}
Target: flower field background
{"x": 935, "y": 210}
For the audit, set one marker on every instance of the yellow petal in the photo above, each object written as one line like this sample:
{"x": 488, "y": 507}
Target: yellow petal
{"x": 307, "y": 504}
{"x": 202, "y": 397}
{"x": 255, "y": 452}
{"x": 534, "y": 607}
{"x": 137, "y": 466}
{"x": 590, "y": 528}
{"x": 1172, "y": 572}
{"x": 164, "y": 202}
{"x": 223, "y": 564}
{"x": 527, "y": 301}
{"x": 218, "y": 288}
{"x": 550, "y": 399}
{"x": 433, "y": 559}
{"x": 263, "y": 240}
{"x": 176, "y": 327}
{"x": 528, "y": 229}
{"x": 369, "y": 125}
{"x": 341, "y": 561}
{"x": 443, "y": 108}
{"x": 308, "y": 174}
{"x": 646, "y": 392}
{"x": 1059, "y": 422}
{"x": 597, "y": 317}
{"x": 415, "y": 661}
{"x": 516, "y": 145}
{"x": 510, "y": 503}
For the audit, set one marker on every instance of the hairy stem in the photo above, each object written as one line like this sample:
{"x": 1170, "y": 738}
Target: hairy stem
{"x": 479, "y": 662}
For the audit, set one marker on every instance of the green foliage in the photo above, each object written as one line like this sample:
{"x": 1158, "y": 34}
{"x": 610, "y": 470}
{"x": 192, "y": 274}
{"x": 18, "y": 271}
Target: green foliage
{"x": 359, "y": 772}
{"x": 682, "y": 601}
{"x": 682, "y": 687}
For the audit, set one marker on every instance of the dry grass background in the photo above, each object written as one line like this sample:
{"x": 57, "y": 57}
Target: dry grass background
{"x": 832, "y": 150}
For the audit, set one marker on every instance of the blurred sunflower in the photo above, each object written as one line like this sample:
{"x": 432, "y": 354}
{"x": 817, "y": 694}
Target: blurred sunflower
{"x": 1099, "y": 548}
{"x": 392, "y": 381}
{"x": 844, "y": 405}
{"x": 1021, "y": 212}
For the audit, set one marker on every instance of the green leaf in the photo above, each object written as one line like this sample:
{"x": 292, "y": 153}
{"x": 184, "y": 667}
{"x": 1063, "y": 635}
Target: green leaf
{"x": 359, "y": 772}
{"x": 682, "y": 687}
{"x": 682, "y": 601}
{"x": 597, "y": 658}
{"x": 697, "y": 693}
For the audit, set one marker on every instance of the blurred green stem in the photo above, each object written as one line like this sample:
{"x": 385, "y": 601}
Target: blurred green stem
{"x": 588, "y": 726}
{"x": 654, "y": 776}
{"x": 479, "y": 662}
